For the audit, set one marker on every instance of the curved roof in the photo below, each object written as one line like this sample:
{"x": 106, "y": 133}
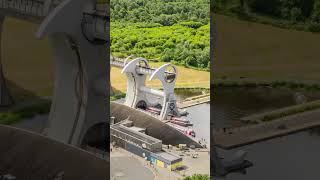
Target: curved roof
{"x": 154, "y": 127}
{"x": 27, "y": 155}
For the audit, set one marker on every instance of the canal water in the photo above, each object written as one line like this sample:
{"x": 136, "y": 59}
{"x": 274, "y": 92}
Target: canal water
{"x": 199, "y": 115}
{"x": 292, "y": 157}
{"x": 200, "y": 118}
{"x": 231, "y": 104}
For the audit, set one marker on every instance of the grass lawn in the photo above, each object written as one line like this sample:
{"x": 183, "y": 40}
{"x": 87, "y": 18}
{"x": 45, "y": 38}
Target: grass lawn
{"x": 27, "y": 61}
{"x": 186, "y": 78}
{"x": 247, "y": 49}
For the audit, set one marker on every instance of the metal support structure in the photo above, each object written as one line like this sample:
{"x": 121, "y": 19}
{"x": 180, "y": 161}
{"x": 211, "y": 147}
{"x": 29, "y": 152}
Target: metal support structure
{"x": 79, "y": 37}
{"x": 137, "y": 71}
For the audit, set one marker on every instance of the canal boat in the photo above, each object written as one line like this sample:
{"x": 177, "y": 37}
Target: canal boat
{"x": 152, "y": 111}
{"x": 180, "y": 121}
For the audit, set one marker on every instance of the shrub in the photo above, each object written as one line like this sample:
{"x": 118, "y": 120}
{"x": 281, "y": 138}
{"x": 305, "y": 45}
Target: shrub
{"x": 198, "y": 177}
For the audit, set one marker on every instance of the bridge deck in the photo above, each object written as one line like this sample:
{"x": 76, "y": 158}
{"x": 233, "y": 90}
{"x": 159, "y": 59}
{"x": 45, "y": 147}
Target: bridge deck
{"x": 119, "y": 63}
{"x": 236, "y": 137}
{"x": 34, "y": 10}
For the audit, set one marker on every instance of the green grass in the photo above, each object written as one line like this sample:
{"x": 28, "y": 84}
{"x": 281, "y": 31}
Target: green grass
{"x": 23, "y": 113}
{"x": 291, "y": 111}
{"x": 27, "y": 61}
{"x": 283, "y": 112}
{"x": 117, "y": 96}
{"x": 252, "y": 50}
{"x": 198, "y": 177}
{"x": 187, "y": 78}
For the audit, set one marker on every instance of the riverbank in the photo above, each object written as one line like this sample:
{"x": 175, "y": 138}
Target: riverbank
{"x": 274, "y": 98}
{"x": 235, "y": 137}
{"x": 242, "y": 81}
{"x": 280, "y": 113}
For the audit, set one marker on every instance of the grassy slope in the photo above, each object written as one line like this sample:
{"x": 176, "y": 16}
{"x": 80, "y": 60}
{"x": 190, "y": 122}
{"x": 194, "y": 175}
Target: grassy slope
{"x": 261, "y": 51}
{"x": 186, "y": 78}
{"x": 27, "y": 61}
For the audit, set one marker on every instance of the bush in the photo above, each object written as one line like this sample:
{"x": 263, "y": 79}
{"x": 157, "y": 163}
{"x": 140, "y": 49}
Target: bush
{"x": 8, "y": 118}
{"x": 181, "y": 44}
{"x": 198, "y": 177}
{"x": 314, "y": 26}
{"x": 264, "y": 6}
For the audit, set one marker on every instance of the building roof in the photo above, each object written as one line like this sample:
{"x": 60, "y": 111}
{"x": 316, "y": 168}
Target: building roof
{"x": 167, "y": 157}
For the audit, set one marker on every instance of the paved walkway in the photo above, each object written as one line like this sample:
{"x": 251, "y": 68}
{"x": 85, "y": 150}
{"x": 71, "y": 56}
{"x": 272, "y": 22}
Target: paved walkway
{"x": 236, "y": 137}
{"x": 194, "y": 102}
{"x": 125, "y": 166}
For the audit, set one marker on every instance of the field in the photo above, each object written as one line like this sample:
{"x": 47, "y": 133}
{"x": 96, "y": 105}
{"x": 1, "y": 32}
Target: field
{"x": 246, "y": 49}
{"x": 186, "y": 78}
{"x": 27, "y": 61}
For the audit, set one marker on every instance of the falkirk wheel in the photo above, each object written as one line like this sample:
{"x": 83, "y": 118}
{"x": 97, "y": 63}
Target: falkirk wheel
{"x": 136, "y": 96}
{"x": 78, "y": 33}
{"x": 137, "y": 72}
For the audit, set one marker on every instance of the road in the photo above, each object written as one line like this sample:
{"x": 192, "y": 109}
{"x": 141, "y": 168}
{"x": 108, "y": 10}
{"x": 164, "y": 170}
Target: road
{"x": 125, "y": 166}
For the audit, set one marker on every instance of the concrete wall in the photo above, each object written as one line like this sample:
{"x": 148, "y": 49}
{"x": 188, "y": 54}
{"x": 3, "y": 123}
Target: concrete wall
{"x": 31, "y": 156}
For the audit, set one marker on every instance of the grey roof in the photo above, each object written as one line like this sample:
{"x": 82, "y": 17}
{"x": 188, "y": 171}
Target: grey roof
{"x": 27, "y": 155}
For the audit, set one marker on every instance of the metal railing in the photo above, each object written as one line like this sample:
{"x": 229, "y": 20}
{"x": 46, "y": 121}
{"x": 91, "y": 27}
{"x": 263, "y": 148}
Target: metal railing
{"x": 29, "y": 7}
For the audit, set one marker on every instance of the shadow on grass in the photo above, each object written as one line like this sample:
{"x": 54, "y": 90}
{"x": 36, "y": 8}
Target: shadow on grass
{"x": 26, "y": 105}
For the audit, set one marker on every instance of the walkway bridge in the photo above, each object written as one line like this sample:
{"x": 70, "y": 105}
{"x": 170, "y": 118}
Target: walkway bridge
{"x": 78, "y": 32}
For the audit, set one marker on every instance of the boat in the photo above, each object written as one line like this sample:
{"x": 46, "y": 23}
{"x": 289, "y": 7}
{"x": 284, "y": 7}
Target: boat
{"x": 152, "y": 111}
{"x": 181, "y": 123}
{"x": 184, "y": 113}
{"x": 179, "y": 119}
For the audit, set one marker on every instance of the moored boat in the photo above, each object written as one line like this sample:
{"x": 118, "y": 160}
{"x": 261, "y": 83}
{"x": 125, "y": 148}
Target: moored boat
{"x": 181, "y": 123}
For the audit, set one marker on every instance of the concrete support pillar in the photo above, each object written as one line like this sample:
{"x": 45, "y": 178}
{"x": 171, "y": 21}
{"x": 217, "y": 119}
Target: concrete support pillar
{"x": 134, "y": 82}
{"x": 169, "y": 105}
